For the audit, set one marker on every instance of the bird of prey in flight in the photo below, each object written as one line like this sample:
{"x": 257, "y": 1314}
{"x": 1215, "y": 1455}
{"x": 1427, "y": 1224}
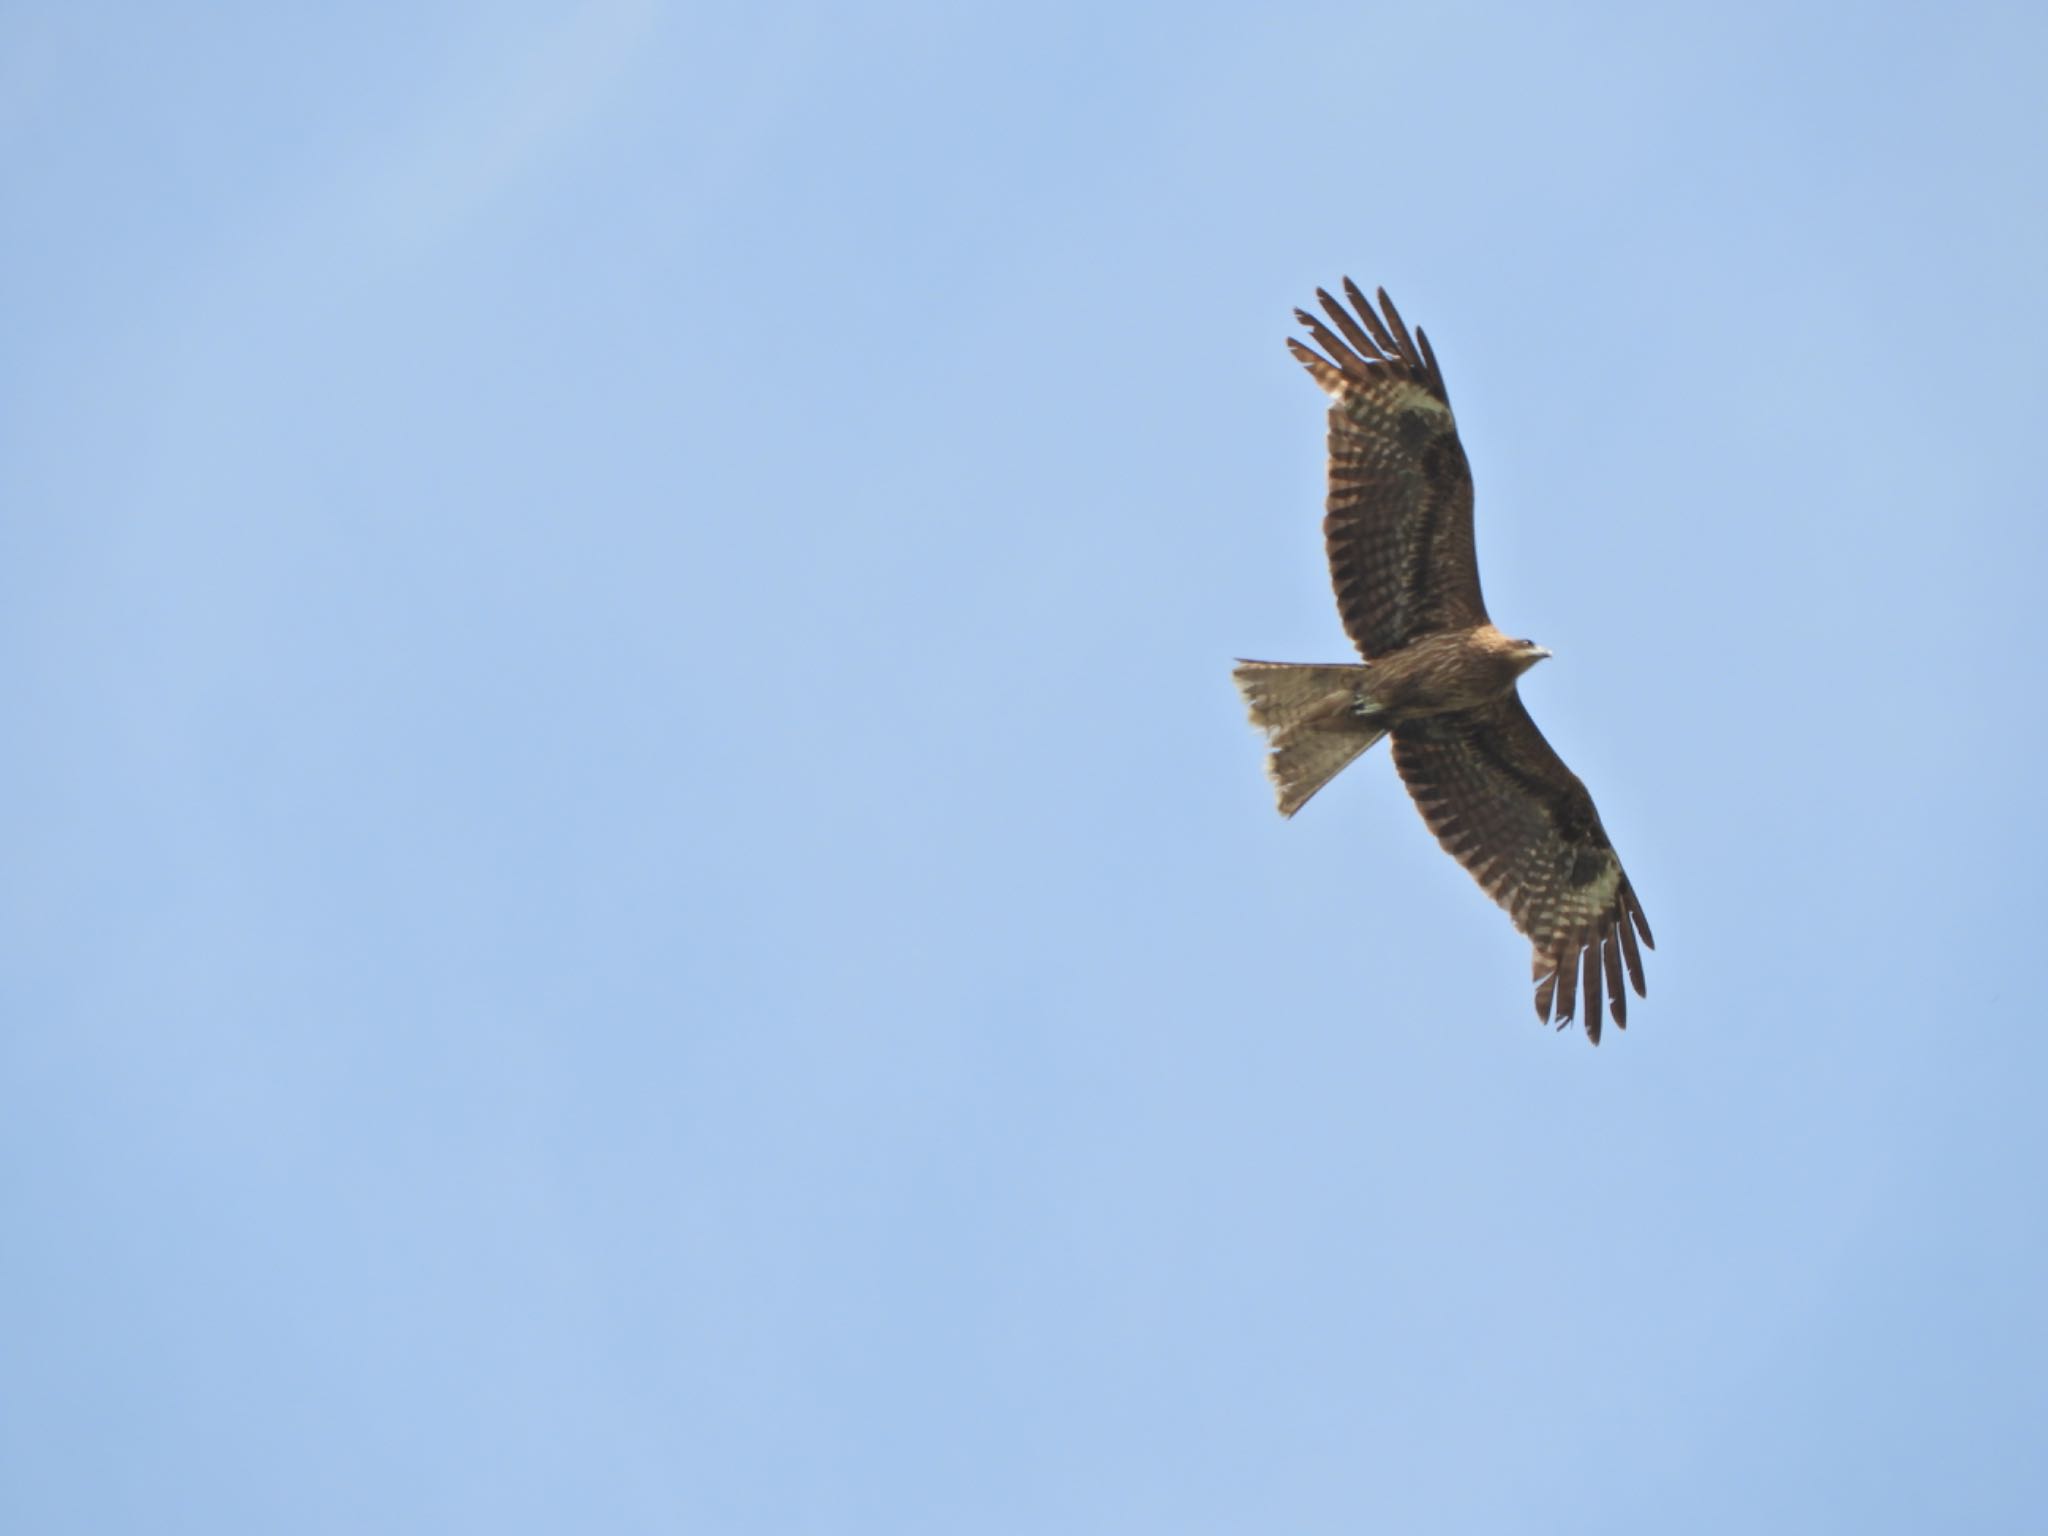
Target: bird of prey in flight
{"x": 1438, "y": 678}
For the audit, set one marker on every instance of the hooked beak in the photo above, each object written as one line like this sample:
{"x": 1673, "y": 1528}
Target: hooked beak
{"x": 1539, "y": 653}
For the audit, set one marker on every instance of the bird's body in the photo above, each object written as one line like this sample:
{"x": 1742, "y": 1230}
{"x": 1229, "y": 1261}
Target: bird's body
{"x": 1439, "y": 677}
{"x": 1453, "y": 669}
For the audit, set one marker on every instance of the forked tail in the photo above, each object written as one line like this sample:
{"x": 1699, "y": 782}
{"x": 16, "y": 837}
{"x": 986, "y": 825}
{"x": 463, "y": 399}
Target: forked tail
{"x": 1316, "y": 718}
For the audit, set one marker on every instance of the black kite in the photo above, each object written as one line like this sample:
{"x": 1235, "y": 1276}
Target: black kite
{"x": 1439, "y": 678}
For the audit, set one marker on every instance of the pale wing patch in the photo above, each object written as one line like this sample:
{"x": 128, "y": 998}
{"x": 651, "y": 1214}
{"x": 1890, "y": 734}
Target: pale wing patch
{"x": 1392, "y": 393}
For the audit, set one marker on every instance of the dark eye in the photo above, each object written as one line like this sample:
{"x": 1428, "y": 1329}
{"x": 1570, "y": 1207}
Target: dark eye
{"x": 1527, "y": 645}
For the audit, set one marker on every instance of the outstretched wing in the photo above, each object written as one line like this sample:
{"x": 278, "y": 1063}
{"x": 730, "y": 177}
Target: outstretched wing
{"x": 1502, "y": 802}
{"x": 1399, "y": 523}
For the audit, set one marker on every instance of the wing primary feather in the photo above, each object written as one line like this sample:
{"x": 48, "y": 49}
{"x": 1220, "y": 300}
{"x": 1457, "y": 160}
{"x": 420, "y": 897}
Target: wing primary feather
{"x": 1349, "y": 326}
{"x": 1320, "y": 369}
{"x": 1632, "y": 955}
{"x": 1436, "y": 374}
{"x": 1400, "y": 330}
{"x": 1567, "y": 986}
{"x": 1353, "y": 365}
{"x": 1617, "y": 996}
{"x": 1635, "y": 911}
{"x": 1372, "y": 320}
{"x": 1546, "y": 988}
{"x": 1589, "y": 959}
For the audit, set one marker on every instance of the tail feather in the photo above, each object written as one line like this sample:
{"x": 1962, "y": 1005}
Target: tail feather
{"x": 1317, "y": 719}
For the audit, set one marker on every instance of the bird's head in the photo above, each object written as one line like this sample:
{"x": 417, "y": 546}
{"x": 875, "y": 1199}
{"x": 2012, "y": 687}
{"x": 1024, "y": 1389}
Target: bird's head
{"x": 1527, "y": 653}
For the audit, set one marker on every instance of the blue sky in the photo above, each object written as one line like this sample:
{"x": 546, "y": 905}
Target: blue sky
{"x": 635, "y": 898}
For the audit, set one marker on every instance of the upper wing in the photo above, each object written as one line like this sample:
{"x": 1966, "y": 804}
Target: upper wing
{"x": 1399, "y": 524}
{"x": 1502, "y": 802}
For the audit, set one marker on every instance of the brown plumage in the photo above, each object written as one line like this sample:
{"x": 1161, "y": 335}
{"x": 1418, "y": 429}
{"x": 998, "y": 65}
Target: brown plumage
{"x": 1439, "y": 678}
